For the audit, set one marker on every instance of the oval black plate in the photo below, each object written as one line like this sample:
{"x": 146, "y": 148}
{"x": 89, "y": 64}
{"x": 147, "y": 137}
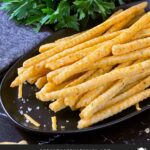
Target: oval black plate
{"x": 15, "y": 107}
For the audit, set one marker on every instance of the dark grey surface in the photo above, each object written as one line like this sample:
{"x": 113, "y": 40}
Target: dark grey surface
{"x": 16, "y": 40}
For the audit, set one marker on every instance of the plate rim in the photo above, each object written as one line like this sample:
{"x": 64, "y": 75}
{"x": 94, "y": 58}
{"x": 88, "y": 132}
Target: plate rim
{"x": 88, "y": 129}
{"x": 85, "y": 130}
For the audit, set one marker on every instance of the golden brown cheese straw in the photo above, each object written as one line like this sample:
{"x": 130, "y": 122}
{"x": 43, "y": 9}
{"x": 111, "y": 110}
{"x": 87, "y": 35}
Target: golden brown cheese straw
{"x": 120, "y": 25}
{"x": 46, "y": 47}
{"x": 139, "y": 87}
{"x": 115, "y": 109}
{"x": 71, "y": 101}
{"x": 90, "y": 96}
{"x": 135, "y": 19}
{"x": 102, "y": 51}
{"x": 86, "y": 76}
{"x": 20, "y": 70}
{"x": 140, "y": 60}
{"x": 121, "y": 49}
{"x": 49, "y": 46}
{"x": 100, "y": 39}
{"x": 35, "y": 123}
{"x": 71, "y": 58}
{"x": 128, "y": 63}
{"x": 116, "y": 13}
{"x": 103, "y": 100}
{"x": 128, "y": 87}
{"x": 101, "y": 80}
{"x": 29, "y": 73}
{"x": 81, "y": 79}
{"x": 41, "y": 82}
{"x": 142, "y": 34}
{"x": 51, "y": 74}
{"x": 98, "y": 30}
{"x": 113, "y": 60}
{"x": 83, "y": 45}
{"x": 54, "y": 123}
{"x": 20, "y": 91}
{"x": 57, "y": 105}
{"x": 66, "y": 38}
{"x": 50, "y": 86}
{"x": 100, "y": 71}
{"x": 32, "y": 80}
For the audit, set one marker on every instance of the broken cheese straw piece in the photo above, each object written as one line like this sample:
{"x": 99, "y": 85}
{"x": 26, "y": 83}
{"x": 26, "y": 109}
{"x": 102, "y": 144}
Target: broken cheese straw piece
{"x": 138, "y": 108}
{"x": 94, "y": 83}
{"x": 98, "y": 30}
{"x": 32, "y": 120}
{"x": 20, "y": 91}
{"x": 41, "y": 82}
{"x": 54, "y": 123}
{"x": 57, "y": 105}
{"x": 115, "y": 109}
{"x": 13, "y": 143}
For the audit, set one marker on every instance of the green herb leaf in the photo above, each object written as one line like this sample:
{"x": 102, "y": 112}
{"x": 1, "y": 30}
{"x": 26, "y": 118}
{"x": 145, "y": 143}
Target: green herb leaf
{"x": 60, "y": 13}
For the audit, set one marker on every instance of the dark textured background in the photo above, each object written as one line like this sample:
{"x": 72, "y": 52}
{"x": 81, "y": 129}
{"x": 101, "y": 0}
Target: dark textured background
{"x": 17, "y": 40}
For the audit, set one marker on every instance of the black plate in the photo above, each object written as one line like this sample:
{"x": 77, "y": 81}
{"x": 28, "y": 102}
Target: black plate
{"x": 40, "y": 112}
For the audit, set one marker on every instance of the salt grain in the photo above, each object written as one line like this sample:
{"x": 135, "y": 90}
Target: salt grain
{"x": 147, "y": 130}
{"x": 29, "y": 109}
{"x": 37, "y": 108}
{"x": 62, "y": 127}
{"x": 27, "y": 121}
{"x": 148, "y": 139}
{"x": 21, "y": 112}
{"x": 23, "y": 101}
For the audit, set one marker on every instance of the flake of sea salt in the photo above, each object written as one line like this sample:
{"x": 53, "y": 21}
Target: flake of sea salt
{"x": 147, "y": 130}
{"x": 29, "y": 109}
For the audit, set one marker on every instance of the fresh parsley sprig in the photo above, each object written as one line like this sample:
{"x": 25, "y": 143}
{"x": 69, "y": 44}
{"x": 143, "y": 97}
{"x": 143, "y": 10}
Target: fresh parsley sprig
{"x": 60, "y": 13}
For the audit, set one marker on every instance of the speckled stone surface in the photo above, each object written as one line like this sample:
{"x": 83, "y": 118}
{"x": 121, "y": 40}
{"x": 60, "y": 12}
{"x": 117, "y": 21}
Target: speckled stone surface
{"x": 16, "y": 40}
